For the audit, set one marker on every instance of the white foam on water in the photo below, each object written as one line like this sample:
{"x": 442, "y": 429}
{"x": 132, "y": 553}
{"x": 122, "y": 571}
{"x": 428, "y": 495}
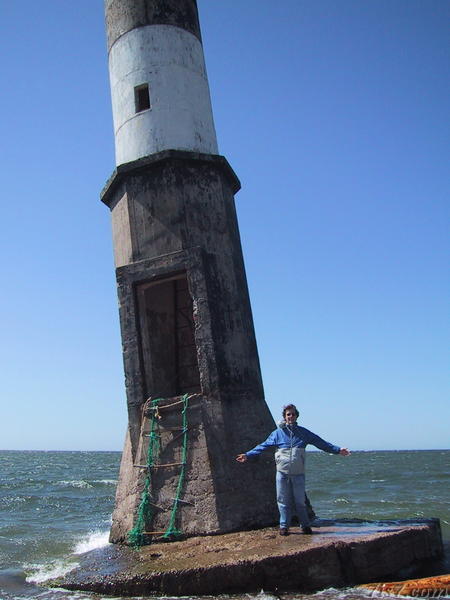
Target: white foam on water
{"x": 43, "y": 572}
{"x": 95, "y": 540}
{"x": 76, "y": 484}
{"x": 265, "y": 596}
{"x": 106, "y": 481}
{"x": 52, "y": 570}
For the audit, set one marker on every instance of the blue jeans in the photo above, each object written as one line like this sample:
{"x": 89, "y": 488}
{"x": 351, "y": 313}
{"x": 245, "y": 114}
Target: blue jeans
{"x": 291, "y": 498}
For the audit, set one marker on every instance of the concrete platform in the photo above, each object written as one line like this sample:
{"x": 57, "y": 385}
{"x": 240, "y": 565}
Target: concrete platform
{"x": 340, "y": 553}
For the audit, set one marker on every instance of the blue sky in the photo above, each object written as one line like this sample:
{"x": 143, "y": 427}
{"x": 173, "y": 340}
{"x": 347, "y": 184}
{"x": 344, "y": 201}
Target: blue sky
{"x": 335, "y": 117}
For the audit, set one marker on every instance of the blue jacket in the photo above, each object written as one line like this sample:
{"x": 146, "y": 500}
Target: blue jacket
{"x": 293, "y": 436}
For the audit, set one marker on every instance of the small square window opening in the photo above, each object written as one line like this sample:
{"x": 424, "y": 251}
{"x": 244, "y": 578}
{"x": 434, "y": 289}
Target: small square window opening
{"x": 141, "y": 97}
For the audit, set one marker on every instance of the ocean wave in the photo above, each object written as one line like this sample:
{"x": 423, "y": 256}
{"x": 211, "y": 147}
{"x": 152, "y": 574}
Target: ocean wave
{"x": 105, "y": 481}
{"x": 262, "y": 595}
{"x": 94, "y": 540}
{"x": 41, "y": 573}
{"x": 81, "y": 483}
{"x": 9, "y": 501}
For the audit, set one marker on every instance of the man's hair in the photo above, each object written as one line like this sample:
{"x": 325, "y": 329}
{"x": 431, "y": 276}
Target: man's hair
{"x": 290, "y": 407}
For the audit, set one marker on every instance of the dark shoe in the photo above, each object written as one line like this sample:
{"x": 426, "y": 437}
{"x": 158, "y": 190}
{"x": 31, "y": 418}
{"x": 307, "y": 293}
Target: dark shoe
{"x": 284, "y": 531}
{"x": 307, "y": 530}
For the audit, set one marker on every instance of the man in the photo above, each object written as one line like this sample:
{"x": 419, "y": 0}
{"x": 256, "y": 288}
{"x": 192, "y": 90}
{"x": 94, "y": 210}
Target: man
{"x": 291, "y": 441}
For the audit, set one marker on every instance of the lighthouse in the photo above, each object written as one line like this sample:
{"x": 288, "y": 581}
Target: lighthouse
{"x": 193, "y": 385}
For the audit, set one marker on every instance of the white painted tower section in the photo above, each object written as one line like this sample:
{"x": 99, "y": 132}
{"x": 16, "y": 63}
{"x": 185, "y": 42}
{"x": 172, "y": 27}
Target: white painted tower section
{"x": 170, "y": 61}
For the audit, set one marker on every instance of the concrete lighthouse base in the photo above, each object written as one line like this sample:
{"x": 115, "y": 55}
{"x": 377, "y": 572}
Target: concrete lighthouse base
{"x": 214, "y": 496}
{"x": 340, "y": 554}
{"x": 187, "y": 329}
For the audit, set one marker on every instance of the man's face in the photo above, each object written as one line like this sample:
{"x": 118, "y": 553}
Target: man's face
{"x": 290, "y": 416}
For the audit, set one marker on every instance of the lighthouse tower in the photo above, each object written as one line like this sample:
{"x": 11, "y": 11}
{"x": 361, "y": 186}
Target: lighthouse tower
{"x": 193, "y": 384}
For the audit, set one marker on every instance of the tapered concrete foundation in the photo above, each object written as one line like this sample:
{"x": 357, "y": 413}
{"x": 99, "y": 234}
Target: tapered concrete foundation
{"x": 187, "y": 329}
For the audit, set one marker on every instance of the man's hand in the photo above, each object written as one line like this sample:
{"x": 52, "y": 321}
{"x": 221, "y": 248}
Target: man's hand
{"x": 241, "y": 457}
{"x": 344, "y": 451}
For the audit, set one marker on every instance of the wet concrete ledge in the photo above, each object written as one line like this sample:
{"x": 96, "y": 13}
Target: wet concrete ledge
{"x": 340, "y": 553}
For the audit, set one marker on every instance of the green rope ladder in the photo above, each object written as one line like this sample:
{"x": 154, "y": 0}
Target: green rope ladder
{"x": 137, "y": 536}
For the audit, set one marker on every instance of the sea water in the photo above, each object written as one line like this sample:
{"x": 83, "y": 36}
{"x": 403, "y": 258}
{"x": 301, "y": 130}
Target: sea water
{"x": 55, "y": 506}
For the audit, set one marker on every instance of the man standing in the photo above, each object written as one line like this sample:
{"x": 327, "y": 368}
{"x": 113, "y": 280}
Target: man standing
{"x": 291, "y": 441}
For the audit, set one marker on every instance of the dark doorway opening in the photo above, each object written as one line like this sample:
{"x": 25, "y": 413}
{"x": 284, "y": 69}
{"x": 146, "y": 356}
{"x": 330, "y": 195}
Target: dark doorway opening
{"x": 168, "y": 349}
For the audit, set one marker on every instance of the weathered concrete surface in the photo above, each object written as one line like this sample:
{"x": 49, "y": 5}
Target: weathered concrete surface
{"x": 174, "y": 215}
{"x": 339, "y": 554}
